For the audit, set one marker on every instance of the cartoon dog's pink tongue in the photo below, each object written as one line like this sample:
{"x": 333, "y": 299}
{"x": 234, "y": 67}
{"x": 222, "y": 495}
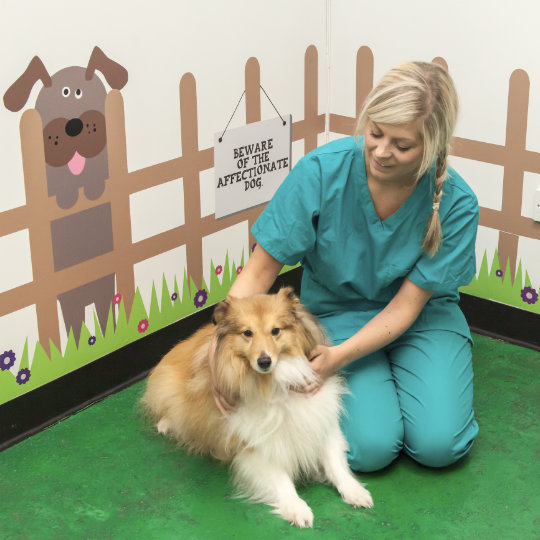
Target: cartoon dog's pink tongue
{"x": 76, "y": 163}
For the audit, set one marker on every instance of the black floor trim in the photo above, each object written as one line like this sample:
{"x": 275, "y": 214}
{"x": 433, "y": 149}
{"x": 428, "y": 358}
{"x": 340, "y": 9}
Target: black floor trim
{"x": 501, "y": 321}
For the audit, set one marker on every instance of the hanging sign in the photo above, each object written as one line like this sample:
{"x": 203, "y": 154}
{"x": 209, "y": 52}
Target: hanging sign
{"x": 250, "y": 163}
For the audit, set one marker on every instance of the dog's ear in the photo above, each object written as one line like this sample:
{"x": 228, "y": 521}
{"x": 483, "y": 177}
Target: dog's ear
{"x": 115, "y": 74}
{"x": 18, "y": 93}
{"x": 221, "y": 310}
{"x": 289, "y": 294}
{"x": 312, "y": 331}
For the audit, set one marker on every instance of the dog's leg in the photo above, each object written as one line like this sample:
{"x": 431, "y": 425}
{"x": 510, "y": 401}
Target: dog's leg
{"x": 337, "y": 471}
{"x": 164, "y": 426}
{"x": 266, "y": 482}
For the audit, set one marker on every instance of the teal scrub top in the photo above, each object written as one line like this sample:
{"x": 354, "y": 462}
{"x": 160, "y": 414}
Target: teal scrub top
{"x": 353, "y": 262}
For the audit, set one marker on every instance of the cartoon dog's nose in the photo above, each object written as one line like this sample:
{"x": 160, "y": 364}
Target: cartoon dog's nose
{"x": 74, "y": 127}
{"x": 264, "y": 362}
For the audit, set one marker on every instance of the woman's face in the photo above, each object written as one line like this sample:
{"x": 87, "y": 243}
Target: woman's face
{"x": 393, "y": 153}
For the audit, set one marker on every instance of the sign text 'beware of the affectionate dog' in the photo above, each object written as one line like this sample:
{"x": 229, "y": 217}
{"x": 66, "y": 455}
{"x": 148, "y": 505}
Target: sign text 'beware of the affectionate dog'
{"x": 250, "y": 163}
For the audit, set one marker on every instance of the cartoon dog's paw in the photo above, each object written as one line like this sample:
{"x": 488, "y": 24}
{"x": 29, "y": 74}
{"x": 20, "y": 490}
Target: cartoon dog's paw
{"x": 356, "y": 495}
{"x": 297, "y": 513}
{"x": 164, "y": 426}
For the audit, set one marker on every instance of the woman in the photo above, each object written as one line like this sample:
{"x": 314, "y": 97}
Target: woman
{"x": 385, "y": 232}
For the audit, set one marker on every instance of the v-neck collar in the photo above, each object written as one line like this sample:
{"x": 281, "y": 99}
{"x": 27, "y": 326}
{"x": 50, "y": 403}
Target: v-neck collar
{"x": 405, "y": 207}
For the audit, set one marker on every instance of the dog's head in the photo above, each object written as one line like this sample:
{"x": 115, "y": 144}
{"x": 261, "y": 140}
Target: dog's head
{"x": 71, "y": 105}
{"x": 262, "y": 329}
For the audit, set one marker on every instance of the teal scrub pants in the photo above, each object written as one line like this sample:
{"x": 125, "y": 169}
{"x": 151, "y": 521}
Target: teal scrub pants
{"x": 415, "y": 395}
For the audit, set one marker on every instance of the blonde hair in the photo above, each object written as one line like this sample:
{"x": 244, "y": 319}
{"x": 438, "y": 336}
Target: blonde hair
{"x": 424, "y": 92}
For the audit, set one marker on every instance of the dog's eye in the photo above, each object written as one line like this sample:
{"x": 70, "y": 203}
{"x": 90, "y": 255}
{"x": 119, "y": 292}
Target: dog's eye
{"x": 248, "y": 333}
{"x": 66, "y": 91}
{"x": 78, "y": 93}
{"x": 275, "y": 331}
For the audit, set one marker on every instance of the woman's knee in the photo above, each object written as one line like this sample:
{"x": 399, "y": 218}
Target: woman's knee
{"x": 374, "y": 451}
{"x": 439, "y": 446}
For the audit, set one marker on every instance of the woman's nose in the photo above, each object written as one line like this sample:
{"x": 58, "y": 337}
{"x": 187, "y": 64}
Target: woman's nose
{"x": 382, "y": 150}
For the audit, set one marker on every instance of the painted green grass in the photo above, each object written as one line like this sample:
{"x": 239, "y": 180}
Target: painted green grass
{"x": 175, "y": 305}
{"x": 492, "y": 283}
{"x": 499, "y": 285}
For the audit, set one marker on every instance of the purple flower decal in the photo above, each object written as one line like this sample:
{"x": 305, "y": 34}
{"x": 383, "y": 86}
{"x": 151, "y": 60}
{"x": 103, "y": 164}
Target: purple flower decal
{"x": 143, "y": 326}
{"x": 529, "y": 295}
{"x": 499, "y": 273}
{"x": 219, "y": 269}
{"x": 253, "y": 247}
{"x": 7, "y": 359}
{"x": 23, "y": 376}
{"x": 200, "y": 298}
{"x": 117, "y": 299}
{"x": 174, "y": 296}
{"x": 239, "y": 269}
{"x": 92, "y": 340}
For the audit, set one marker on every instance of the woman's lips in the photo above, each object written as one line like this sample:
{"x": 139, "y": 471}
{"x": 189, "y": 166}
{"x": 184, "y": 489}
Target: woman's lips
{"x": 380, "y": 165}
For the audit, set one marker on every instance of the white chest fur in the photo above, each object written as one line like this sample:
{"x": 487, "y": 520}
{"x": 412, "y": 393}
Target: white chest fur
{"x": 291, "y": 428}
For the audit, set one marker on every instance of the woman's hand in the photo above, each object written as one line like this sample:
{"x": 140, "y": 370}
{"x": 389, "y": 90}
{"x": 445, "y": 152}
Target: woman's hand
{"x": 324, "y": 361}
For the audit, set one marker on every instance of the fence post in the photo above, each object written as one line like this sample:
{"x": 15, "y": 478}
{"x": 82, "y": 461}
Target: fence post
{"x": 119, "y": 190}
{"x": 364, "y": 76}
{"x": 441, "y": 62}
{"x": 253, "y": 91}
{"x": 192, "y": 196}
{"x": 515, "y": 146}
{"x": 39, "y": 228}
{"x": 311, "y": 97}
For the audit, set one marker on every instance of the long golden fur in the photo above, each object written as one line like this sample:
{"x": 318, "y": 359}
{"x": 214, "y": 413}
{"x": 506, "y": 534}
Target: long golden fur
{"x": 273, "y": 433}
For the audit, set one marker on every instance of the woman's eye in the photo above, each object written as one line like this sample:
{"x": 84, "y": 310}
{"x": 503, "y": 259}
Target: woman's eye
{"x": 248, "y": 333}
{"x": 401, "y": 149}
{"x": 376, "y": 135}
{"x": 275, "y": 331}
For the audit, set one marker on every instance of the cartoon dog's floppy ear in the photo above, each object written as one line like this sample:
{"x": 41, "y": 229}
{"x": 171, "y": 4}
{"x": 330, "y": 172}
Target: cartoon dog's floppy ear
{"x": 17, "y": 94}
{"x": 115, "y": 74}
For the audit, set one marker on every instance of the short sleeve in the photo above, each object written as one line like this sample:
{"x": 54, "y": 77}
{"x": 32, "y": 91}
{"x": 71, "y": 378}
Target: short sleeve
{"x": 454, "y": 265}
{"x": 287, "y": 227}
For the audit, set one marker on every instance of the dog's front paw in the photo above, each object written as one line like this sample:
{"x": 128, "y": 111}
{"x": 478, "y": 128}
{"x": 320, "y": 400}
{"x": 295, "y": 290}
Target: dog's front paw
{"x": 297, "y": 513}
{"x": 356, "y": 495}
{"x": 164, "y": 426}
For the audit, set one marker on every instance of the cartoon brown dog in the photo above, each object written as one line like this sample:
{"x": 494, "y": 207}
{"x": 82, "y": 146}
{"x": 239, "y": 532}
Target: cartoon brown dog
{"x": 71, "y": 105}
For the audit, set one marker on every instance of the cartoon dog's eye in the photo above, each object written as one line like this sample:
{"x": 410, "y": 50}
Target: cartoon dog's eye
{"x": 275, "y": 331}
{"x": 248, "y": 333}
{"x": 66, "y": 91}
{"x": 78, "y": 93}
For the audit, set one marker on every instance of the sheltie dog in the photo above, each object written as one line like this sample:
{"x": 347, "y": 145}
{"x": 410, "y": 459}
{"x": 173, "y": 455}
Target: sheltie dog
{"x": 233, "y": 390}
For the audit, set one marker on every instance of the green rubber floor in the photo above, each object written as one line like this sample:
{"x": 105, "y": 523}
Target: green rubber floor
{"x": 103, "y": 474}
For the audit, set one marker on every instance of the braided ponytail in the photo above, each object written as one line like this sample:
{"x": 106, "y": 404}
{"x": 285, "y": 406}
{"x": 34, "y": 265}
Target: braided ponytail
{"x": 433, "y": 238}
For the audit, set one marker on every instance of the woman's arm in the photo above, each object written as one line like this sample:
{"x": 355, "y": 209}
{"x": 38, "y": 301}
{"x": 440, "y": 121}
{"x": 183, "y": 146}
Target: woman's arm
{"x": 257, "y": 276}
{"x": 384, "y": 328}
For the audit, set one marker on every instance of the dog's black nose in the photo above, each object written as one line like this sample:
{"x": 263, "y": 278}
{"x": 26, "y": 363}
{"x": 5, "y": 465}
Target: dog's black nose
{"x": 264, "y": 362}
{"x": 74, "y": 127}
